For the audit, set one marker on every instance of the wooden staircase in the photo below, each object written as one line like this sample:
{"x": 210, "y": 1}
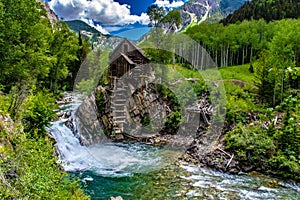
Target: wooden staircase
{"x": 118, "y": 105}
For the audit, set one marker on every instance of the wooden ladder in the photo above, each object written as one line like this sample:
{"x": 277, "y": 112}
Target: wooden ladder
{"x": 118, "y": 101}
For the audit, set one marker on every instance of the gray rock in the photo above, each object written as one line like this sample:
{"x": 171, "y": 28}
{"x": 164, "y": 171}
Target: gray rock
{"x": 89, "y": 129}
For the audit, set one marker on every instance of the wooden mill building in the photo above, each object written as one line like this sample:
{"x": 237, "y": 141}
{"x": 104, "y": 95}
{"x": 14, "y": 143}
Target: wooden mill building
{"x": 123, "y": 60}
{"x": 125, "y": 57}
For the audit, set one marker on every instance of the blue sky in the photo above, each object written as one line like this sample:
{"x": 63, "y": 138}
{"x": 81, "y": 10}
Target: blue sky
{"x": 111, "y": 16}
{"x": 138, "y": 6}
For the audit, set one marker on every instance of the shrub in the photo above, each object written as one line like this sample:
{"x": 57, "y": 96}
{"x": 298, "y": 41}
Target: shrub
{"x": 37, "y": 112}
{"x": 251, "y": 143}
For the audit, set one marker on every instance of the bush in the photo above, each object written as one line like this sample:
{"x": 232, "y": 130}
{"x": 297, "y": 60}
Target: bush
{"x": 100, "y": 102}
{"x": 287, "y": 138}
{"x": 37, "y": 112}
{"x": 251, "y": 143}
{"x": 36, "y": 175}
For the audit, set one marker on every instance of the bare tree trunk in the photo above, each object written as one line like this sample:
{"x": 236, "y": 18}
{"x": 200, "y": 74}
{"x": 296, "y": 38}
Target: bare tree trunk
{"x": 282, "y": 85}
{"x": 224, "y": 57}
{"x": 243, "y": 58}
{"x": 227, "y": 54}
{"x": 251, "y": 53}
{"x": 216, "y": 56}
{"x": 246, "y": 53}
{"x": 231, "y": 58}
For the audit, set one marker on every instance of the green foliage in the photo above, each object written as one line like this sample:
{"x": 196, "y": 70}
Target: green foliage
{"x": 240, "y": 92}
{"x": 173, "y": 18}
{"x": 64, "y": 49}
{"x": 100, "y": 102}
{"x": 4, "y": 101}
{"x": 146, "y": 120}
{"x": 251, "y": 143}
{"x": 159, "y": 56}
{"x": 265, "y": 9}
{"x": 37, "y": 112}
{"x": 157, "y": 47}
{"x": 236, "y": 44}
{"x": 34, "y": 55}
{"x": 288, "y": 137}
{"x": 186, "y": 89}
{"x": 156, "y": 15}
{"x": 32, "y": 52}
{"x": 93, "y": 71}
{"x": 239, "y": 102}
{"x": 74, "y": 66}
{"x": 240, "y": 72}
{"x": 38, "y": 174}
{"x": 173, "y": 122}
{"x": 24, "y": 42}
{"x": 278, "y": 67}
{"x": 275, "y": 147}
{"x": 287, "y": 166}
{"x": 174, "y": 117}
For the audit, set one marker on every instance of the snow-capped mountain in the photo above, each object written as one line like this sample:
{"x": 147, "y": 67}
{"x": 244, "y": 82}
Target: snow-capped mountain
{"x": 197, "y": 11}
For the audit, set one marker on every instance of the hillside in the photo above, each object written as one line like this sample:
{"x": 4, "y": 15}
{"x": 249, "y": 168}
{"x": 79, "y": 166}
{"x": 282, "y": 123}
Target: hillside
{"x": 77, "y": 25}
{"x": 196, "y": 11}
{"x": 229, "y": 6}
{"x": 98, "y": 39}
{"x": 265, "y": 9}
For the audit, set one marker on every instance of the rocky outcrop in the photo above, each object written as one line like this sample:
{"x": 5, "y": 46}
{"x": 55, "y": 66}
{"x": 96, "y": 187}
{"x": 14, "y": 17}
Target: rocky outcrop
{"x": 144, "y": 116}
{"x": 6, "y": 123}
{"x": 85, "y": 124}
{"x": 50, "y": 14}
{"x": 217, "y": 157}
{"x": 199, "y": 10}
{"x": 139, "y": 116}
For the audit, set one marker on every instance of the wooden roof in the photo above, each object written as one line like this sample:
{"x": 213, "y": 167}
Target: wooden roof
{"x": 127, "y": 59}
{"x": 119, "y": 50}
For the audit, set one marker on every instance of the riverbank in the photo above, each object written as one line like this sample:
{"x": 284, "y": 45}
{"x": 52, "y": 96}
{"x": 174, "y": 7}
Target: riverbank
{"x": 29, "y": 167}
{"x": 251, "y": 138}
{"x": 139, "y": 171}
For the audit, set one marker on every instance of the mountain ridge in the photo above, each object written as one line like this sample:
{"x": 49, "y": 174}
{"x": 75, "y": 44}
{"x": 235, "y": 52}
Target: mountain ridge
{"x": 197, "y": 11}
{"x": 78, "y": 25}
{"x": 265, "y": 9}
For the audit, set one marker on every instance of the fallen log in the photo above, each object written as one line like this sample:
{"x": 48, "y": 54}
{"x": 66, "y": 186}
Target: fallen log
{"x": 229, "y": 161}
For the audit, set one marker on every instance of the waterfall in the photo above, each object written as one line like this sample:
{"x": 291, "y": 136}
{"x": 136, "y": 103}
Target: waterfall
{"x": 105, "y": 159}
{"x": 113, "y": 169}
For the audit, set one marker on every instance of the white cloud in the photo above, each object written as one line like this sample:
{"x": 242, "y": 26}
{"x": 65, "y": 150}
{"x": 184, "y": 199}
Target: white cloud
{"x": 101, "y": 29}
{"x": 104, "y": 11}
{"x": 168, "y": 4}
{"x": 113, "y": 28}
{"x": 97, "y": 27}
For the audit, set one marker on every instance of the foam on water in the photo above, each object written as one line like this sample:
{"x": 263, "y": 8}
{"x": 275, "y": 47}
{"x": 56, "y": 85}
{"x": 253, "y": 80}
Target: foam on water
{"x": 242, "y": 186}
{"x": 109, "y": 159}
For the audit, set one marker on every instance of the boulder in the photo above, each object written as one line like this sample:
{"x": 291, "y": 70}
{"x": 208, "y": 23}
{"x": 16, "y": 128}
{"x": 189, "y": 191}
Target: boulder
{"x": 89, "y": 129}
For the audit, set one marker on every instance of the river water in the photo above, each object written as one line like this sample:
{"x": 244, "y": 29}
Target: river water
{"x": 139, "y": 171}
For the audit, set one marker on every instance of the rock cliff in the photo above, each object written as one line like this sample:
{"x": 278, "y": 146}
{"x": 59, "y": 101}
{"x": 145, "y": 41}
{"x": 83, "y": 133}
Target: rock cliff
{"x": 50, "y": 14}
